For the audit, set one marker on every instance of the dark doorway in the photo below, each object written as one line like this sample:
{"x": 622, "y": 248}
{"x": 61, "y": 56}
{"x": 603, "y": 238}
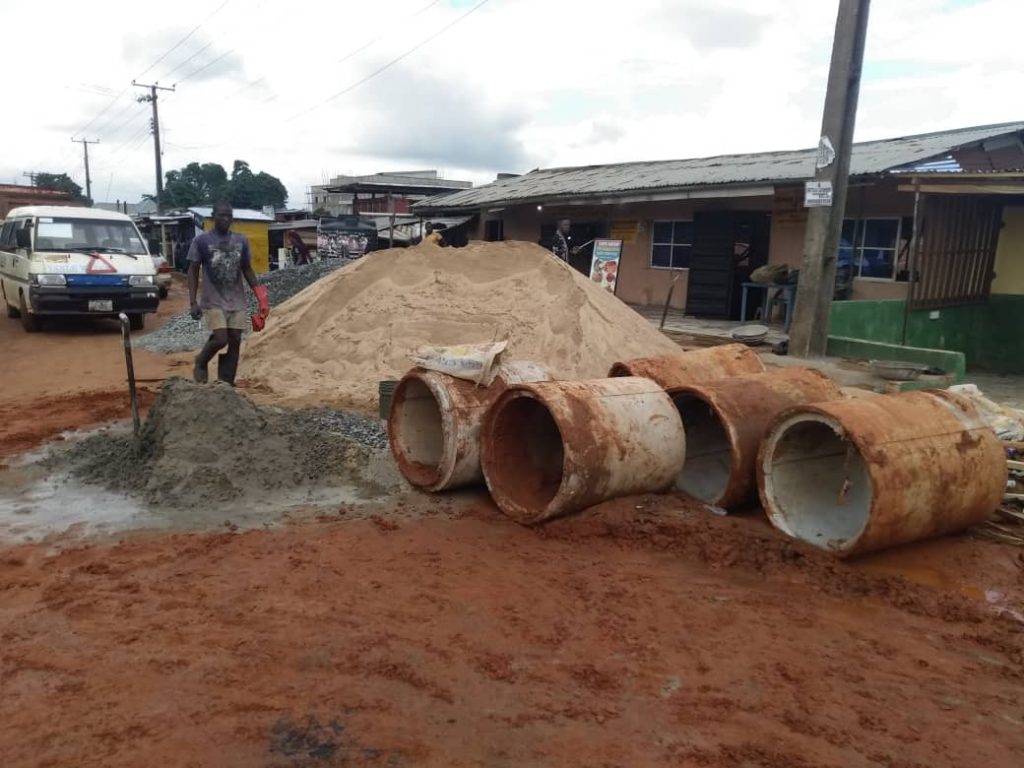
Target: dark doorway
{"x": 727, "y": 247}
{"x": 494, "y": 230}
{"x": 580, "y": 234}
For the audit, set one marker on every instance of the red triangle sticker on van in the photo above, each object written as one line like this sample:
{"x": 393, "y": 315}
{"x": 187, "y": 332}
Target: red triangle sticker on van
{"x": 100, "y": 266}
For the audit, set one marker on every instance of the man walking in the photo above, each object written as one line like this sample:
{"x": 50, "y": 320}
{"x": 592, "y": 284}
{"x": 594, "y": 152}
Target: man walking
{"x": 560, "y": 243}
{"x": 224, "y": 259}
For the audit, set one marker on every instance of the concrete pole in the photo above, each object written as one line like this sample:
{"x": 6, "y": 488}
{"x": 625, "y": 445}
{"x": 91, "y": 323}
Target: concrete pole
{"x": 809, "y": 333}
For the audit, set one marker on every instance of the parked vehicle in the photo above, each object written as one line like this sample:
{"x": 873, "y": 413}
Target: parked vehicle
{"x": 74, "y": 261}
{"x": 163, "y": 275}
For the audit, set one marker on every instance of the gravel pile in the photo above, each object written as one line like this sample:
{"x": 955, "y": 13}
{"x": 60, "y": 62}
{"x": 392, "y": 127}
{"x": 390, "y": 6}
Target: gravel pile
{"x": 202, "y": 443}
{"x": 181, "y": 333}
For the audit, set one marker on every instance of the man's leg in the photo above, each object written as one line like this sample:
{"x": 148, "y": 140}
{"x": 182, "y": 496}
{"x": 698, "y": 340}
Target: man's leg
{"x": 227, "y": 364}
{"x": 217, "y": 341}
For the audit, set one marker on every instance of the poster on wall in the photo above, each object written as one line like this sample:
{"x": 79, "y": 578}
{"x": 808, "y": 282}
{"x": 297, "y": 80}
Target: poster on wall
{"x": 604, "y": 266}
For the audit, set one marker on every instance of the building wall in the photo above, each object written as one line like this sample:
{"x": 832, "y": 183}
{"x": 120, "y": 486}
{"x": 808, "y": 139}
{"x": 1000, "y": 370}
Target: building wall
{"x": 1010, "y": 254}
{"x": 638, "y": 283}
{"x": 258, "y": 235}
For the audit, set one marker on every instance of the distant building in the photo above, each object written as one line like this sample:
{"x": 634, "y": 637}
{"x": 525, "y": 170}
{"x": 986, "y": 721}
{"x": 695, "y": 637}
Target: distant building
{"x": 141, "y": 208}
{"x": 17, "y": 195}
{"x": 380, "y": 192}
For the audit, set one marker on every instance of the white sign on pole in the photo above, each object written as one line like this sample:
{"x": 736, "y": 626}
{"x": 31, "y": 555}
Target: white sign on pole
{"x": 826, "y": 153}
{"x": 817, "y": 194}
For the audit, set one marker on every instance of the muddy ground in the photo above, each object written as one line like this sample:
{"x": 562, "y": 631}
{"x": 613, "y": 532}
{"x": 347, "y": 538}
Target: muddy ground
{"x": 398, "y": 630}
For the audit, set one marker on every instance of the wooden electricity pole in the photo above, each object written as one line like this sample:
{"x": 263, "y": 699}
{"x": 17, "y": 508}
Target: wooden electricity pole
{"x": 152, "y": 99}
{"x": 808, "y": 336}
{"x": 88, "y": 179}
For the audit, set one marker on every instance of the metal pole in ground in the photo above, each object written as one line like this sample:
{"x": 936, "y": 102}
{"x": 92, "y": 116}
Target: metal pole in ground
{"x": 826, "y": 194}
{"x": 127, "y": 336}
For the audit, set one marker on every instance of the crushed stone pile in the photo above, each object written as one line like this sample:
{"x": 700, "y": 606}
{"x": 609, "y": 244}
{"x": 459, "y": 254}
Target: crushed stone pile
{"x": 181, "y": 333}
{"x": 208, "y": 443}
{"x": 333, "y": 342}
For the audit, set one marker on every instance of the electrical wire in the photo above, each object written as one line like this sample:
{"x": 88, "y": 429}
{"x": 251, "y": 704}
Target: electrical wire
{"x": 389, "y": 64}
{"x": 183, "y": 40}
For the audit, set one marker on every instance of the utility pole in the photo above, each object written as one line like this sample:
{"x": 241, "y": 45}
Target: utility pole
{"x": 827, "y": 193}
{"x": 152, "y": 99}
{"x": 85, "y": 148}
{"x": 31, "y": 175}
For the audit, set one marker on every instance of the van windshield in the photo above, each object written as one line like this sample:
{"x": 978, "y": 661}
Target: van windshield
{"x": 67, "y": 234}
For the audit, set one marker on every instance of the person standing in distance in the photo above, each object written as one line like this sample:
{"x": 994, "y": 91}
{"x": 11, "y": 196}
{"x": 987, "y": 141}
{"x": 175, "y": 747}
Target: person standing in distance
{"x": 224, "y": 259}
{"x": 560, "y": 243}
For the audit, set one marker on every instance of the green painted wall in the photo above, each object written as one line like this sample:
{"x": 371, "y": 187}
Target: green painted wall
{"x": 990, "y": 335}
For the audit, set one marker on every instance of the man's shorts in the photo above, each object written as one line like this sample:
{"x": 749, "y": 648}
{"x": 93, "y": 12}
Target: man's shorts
{"x": 217, "y": 318}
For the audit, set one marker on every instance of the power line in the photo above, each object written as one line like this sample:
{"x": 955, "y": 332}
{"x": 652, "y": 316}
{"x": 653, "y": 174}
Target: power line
{"x": 205, "y": 66}
{"x": 390, "y": 64}
{"x": 186, "y": 61}
{"x": 181, "y": 42}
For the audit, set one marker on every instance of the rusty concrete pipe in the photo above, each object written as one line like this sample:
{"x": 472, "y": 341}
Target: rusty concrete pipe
{"x": 434, "y": 424}
{"x": 852, "y": 476}
{"x": 556, "y": 447}
{"x": 726, "y": 420}
{"x": 682, "y": 368}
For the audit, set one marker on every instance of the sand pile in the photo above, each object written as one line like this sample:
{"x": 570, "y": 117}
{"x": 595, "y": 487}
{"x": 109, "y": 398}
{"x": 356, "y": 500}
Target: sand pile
{"x": 335, "y": 340}
{"x": 201, "y": 444}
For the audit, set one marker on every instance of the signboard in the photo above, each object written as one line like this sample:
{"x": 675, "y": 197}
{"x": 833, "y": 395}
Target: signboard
{"x": 817, "y": 194}
{"x": 624, "y": 230}
{"x": 604, "y": 266}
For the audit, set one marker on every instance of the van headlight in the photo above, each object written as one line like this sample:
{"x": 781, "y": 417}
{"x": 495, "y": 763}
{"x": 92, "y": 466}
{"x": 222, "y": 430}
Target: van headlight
{"x": 47, "y": 279}
{"x": 140, "y": 281}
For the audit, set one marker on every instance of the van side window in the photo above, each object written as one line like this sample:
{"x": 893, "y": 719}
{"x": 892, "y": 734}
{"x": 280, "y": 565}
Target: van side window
{"x": 7, "y": 241}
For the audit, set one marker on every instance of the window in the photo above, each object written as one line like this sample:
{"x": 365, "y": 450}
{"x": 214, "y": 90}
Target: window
{"x": 872, "y": 247}
{"x": 7, "y": 235}
{"x": 671, "y": 243}
{"x": 68, "y": 234}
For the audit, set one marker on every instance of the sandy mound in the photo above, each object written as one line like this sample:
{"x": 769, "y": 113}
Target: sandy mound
{"x": 334, "y": 341}
{"x": 206, "y": 443}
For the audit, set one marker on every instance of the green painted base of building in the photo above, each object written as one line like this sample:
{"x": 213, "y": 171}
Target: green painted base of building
{"x": 990, "y": 336}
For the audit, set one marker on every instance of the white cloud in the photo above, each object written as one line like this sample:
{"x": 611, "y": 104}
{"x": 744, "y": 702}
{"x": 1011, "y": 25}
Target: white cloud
{"x": 517, "y": 84}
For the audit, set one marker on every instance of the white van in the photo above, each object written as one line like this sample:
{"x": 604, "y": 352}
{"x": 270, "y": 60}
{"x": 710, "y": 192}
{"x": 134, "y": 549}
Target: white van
{"x": 74, "y": 261}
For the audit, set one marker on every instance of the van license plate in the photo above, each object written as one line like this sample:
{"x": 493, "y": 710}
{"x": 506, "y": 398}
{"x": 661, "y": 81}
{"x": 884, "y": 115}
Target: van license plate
{"x": 101, "y": 305}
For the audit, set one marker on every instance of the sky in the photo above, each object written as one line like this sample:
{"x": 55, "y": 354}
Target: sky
{"x": 473, "y": 88}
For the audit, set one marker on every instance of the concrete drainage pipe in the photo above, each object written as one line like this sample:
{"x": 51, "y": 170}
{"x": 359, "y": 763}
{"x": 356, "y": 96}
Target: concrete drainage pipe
{"x": 557, "y": 447}
{"x": 434, "y": 424}
{"x": 726, "y": 420}
{"x": 853, "y": 476}
{"x": 700, "y": 365}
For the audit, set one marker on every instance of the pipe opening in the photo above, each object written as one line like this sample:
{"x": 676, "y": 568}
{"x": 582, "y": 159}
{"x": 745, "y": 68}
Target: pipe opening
{"x": 419, "y": 432}
{"x": 817, "y": 485}
{"x": 619, "y": 370}
{"x": 708, "y": 465}
{"x": 527, "y": 446}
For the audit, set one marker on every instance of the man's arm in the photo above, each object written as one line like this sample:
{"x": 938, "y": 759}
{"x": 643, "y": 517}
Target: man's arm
{"x": 193, "y": 281}
{"x": 247, "y": 273}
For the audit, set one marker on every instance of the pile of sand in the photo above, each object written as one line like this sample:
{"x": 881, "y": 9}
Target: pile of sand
{"x": 334, "y": 341}
{"x": 206, "y": 443}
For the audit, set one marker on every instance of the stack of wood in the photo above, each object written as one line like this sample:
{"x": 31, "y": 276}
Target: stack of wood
{"x": 1007, "y": 525}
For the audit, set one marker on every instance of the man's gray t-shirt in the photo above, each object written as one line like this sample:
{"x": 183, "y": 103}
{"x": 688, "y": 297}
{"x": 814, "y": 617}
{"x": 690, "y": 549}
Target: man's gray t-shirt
{"x": 222, "y": 258}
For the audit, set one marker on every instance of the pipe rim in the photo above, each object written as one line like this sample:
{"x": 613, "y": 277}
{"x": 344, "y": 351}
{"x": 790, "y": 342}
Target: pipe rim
{"x": 777, "y": 514}
{"x": 511, "y": 504}
{"x": 727, "y": 491}
{"x": 426, "y": 476}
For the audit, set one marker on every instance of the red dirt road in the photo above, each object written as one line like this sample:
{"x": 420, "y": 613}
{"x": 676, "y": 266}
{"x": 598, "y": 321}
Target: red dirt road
{"x": 623, "y": 637}
{"x": 72, "y": 375}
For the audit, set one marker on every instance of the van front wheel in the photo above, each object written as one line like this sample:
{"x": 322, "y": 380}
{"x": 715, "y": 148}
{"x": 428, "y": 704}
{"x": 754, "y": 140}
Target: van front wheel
{"x": 28, "y": 321}
{"x": 12, "y": 311}
{"x": 137, "y": 322}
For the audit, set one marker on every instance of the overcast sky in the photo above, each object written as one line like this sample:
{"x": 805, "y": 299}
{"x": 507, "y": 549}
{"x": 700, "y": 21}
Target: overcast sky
{"x": 510, "y": 85}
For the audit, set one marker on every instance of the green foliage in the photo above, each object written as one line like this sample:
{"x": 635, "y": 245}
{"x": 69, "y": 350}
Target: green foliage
{"x": 208, "y": 183}
{"x": 60, "y": 182}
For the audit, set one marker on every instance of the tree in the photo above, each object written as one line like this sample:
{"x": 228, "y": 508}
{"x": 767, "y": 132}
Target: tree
{"x": 60, "y": 182}
{"x": 207, "y": 183}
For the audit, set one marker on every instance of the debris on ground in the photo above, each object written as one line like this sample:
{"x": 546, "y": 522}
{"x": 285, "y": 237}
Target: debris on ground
{"x": 203, "y": 444}
{"x": 336, "y": 340}
{"x": 181, "y": 333}
{"x": 1006, "y": 422}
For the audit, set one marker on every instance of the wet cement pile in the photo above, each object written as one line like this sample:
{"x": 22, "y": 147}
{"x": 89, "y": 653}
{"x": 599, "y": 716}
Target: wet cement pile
{"x": 202, "y": 444}
{"x": 333, "y": 342}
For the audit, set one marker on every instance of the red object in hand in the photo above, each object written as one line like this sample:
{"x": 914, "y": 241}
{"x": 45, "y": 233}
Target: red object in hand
{"x": 263, "y": 300}
{"x": 258, "y": 322}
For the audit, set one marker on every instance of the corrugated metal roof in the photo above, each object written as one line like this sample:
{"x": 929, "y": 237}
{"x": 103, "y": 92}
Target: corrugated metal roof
{"x": 869, "y": 157}
{"x": 242, "y": 214}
